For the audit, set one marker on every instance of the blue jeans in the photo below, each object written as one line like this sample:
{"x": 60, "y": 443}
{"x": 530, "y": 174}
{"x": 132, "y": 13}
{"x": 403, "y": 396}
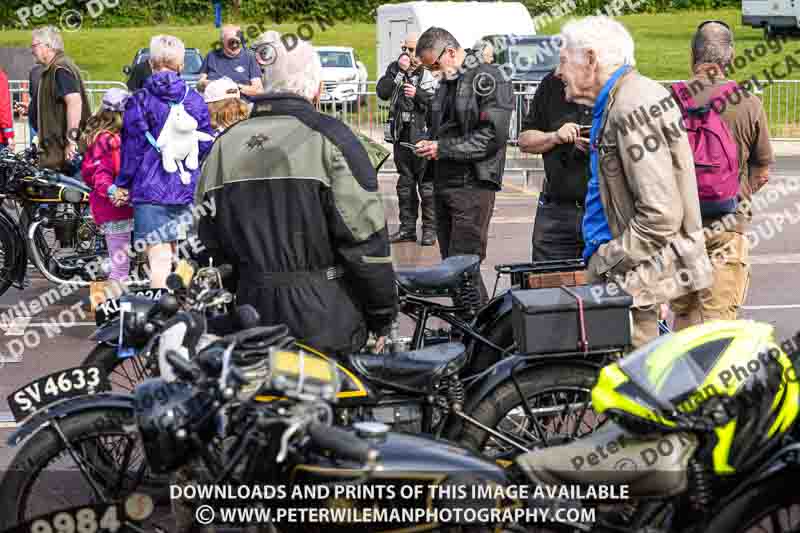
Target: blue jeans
{"x": 155, "y": 223}
{"x": 217, "y": 14}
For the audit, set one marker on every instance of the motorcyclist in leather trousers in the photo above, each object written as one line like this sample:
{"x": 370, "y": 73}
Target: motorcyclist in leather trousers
{"x": 409, "y": 90}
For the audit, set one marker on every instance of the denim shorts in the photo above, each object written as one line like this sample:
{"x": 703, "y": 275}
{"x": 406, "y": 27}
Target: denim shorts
{"x": 154, "y": 224}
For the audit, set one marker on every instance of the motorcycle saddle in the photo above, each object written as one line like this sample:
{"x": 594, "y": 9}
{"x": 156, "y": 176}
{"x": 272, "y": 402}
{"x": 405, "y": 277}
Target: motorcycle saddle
{"x": 653, "y": 467}
{"x": 445, "y": 276}
{"x": 416, "y": 371}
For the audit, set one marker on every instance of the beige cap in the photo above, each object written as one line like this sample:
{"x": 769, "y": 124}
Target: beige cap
{"x": 220, "y": 89}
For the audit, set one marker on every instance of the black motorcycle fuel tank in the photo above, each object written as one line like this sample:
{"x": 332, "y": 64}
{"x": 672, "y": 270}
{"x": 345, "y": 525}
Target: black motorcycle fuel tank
{"x": 414, "y": 476}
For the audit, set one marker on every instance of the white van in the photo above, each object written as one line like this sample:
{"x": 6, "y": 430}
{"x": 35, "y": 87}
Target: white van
{"x": 775, "y": 16}
{"x": 467, "y": 21}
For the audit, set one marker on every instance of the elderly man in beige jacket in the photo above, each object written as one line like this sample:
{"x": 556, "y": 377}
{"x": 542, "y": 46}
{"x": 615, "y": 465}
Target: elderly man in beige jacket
{"x": 642, "y": 226}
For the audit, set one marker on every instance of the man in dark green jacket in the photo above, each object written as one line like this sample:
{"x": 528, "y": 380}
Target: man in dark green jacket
{"x": 299, "y": 215}
{"x": 63, "y": 105}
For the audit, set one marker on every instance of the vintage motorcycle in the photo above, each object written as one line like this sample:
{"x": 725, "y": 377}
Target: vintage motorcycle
{"x": 527, "y": 400}
{"x": 45, "y": 218}
{"x": 675, "y": 459}
{"x": 421, "y": 391}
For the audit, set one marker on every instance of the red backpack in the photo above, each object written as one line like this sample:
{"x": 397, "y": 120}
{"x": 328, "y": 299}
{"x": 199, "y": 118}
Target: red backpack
{"x": 716, "y": 159}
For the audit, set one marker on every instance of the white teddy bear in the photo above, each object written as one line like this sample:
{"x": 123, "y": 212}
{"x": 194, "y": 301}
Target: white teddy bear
{"x": 178, "y": 141}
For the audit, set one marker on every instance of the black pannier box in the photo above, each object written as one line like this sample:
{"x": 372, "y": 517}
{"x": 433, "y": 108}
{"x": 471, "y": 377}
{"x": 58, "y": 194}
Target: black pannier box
{"x": 547, "y": 320}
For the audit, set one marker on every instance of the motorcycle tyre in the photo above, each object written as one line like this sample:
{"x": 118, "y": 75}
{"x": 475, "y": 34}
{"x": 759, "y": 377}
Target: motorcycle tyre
{"x": 738, "y": 515}
{"x": 9, "y": 248}
{"x": 504, "y": 398}
{"x": 43, "y": 447}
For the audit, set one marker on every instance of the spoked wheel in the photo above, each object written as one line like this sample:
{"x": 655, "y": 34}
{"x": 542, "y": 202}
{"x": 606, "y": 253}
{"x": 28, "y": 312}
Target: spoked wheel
{"x": 779, "y": 518}
{"x": 558, "y": 397}
{"x": 769, "y": 507}
{"x": 101, "y": 463}
{"x": 7, "y": 257}
{"x": 123, "y": 374}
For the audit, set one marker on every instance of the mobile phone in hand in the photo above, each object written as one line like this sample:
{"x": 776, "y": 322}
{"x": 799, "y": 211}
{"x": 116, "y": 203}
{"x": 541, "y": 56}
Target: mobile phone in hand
{"x": 408, "y": 145}
{"x": 585, "y": 131}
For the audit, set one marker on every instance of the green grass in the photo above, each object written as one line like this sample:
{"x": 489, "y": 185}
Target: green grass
{"x": 102, "y": 52}
{"x": 662, "y": 42}
{"x": 662, "y": 48}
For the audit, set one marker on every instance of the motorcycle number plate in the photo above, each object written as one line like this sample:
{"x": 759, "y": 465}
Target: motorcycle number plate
{"x": 57, "y": 386}
{"x": 110, "y": 308}
{"x": 99, "y": 517}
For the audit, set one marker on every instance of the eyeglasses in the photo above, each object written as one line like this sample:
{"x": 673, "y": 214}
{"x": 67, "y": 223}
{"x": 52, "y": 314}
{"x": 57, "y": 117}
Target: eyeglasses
{"x": 408, "y": 49}
{"x": 714, "y": 21}
{"x": 34, "y": 45}
{"x": 435, "y": 65}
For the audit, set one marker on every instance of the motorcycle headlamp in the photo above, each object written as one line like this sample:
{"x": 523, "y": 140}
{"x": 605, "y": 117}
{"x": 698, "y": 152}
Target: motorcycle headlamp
{"x": 135, "y": 313}
{"x": 167, "y": 413}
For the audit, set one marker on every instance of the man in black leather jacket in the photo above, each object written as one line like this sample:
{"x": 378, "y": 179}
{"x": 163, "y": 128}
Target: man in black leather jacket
{"x": 470, "y": 116}
{"x": 409, "y": 90}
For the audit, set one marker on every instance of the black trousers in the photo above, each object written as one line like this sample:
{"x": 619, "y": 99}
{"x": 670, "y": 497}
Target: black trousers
{"x": 413, "y": 178}
{"x": 463, "y": 215}
{"x": 557, "y": 232}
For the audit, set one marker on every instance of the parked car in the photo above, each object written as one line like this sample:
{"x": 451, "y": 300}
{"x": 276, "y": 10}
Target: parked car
{"x": 340, "y": 65}
{"x": 192, "y": 62}
{"x": 528, "y": 59}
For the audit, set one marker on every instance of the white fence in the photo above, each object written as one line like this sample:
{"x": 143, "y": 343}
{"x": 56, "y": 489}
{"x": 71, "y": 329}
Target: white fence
{"x": 357, "y": 105}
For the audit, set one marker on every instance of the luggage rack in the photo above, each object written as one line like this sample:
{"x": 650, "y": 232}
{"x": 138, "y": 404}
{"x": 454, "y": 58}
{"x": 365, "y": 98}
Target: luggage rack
{"x": 518, "y": 272}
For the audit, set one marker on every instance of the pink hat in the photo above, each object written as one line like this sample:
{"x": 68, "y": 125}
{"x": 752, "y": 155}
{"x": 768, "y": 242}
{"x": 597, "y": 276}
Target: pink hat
{"x": 220, "y": 89}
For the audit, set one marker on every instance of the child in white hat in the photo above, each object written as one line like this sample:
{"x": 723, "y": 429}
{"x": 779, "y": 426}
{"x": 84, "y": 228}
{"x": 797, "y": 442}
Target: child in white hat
{"x": 101, "y": 164}
{"x": 225, "y": 104}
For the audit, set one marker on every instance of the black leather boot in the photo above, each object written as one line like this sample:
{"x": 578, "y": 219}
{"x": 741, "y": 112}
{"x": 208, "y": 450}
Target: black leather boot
{"x": 403, "y": 236}
{"x": 428, "y": 237}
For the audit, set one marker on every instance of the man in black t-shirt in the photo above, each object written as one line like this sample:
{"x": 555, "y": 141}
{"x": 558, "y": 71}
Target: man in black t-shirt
{"x": 553, "y": 128}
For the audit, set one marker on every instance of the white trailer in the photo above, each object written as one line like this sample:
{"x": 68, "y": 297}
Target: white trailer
{"x": 467, "y": 21}
{"x": 775, "y": 16}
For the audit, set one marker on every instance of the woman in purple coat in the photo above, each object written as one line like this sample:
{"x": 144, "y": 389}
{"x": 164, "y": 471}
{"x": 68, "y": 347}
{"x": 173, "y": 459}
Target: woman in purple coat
{"x": 161, "y": 199}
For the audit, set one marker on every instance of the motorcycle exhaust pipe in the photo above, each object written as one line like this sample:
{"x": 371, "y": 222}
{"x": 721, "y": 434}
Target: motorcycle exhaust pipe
{"x": 39, "y": 263}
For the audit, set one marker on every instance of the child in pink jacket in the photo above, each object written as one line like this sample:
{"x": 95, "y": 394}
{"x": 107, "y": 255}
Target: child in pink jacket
{"x": 101, "y": 164}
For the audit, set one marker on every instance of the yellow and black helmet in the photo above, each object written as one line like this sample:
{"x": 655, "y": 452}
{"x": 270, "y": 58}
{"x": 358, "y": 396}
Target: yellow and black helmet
{"x": 728, "y": 379}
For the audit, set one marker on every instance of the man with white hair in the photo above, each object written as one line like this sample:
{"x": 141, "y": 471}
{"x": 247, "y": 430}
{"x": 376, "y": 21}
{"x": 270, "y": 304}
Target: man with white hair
{"x": 642, "y": 227}
{"x": 262, "y": 52}
{"x": 62, "y": 102}
{"x": 232, "y": 61}
{"x": 298, "y": 213}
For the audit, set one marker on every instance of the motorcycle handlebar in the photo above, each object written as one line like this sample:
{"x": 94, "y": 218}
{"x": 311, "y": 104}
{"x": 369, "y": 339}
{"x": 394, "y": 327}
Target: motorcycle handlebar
{"x": 342, "y": 443}
{"x": 182, "y": 367}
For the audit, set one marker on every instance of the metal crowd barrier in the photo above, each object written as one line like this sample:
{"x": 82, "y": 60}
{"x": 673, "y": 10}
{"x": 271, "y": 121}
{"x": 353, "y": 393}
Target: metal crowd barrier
{"x": 20, "y": 93}
{"x": 356, "y": 104}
